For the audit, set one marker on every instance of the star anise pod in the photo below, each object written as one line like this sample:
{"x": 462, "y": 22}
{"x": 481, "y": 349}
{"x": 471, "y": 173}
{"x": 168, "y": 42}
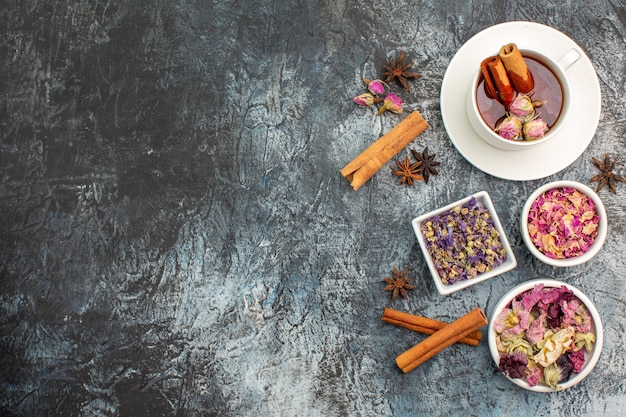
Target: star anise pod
{"x": 398, "y": 71}
{"x": 398, "y": 284}
{"x": 427, "y": 163}
{"x": 606, "y": 176}
{"x": 407, "y": 171}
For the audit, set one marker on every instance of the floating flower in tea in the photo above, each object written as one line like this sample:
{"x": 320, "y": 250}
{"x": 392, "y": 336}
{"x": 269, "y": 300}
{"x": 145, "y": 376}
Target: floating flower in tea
{"x": 535, "y": 129}
{"x": 522, "y": 107}
{"x": 510, "y": 128}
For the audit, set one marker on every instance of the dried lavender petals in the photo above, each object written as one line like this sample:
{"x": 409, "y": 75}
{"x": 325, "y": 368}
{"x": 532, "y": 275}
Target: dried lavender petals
{"x": 463, "y": 242}
{"x": 563, "y": 223}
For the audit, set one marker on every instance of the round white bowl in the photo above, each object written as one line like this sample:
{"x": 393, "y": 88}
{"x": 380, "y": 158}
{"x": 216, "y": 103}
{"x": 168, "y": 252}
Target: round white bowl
{"x": 602, "y": 226}
{"x": 591, "y": 358}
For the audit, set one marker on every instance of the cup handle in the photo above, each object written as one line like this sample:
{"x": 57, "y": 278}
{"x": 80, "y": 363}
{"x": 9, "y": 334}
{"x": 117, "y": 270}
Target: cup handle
{"x": 569, "y": 59}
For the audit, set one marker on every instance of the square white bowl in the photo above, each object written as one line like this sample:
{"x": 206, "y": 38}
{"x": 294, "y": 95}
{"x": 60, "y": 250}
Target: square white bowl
{"x": 482, "y": 200}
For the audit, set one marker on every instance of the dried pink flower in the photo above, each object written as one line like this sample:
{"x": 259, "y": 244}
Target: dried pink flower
{"x": 376, "y": 87}
{"x": 577, "y": 359}
{"x": 534, "y": 129}
{"x": 393, "y": 103}
{"x": 364, "y": 100}
{"x": 522, "y": 107}
{"x": 510, "y": 128}
{"x": 513, "y": 364}
{"x": 512, "y": 321}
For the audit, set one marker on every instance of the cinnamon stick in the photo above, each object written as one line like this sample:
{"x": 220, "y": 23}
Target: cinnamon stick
{"x": 490, "y": 89}
{"x": 519, "y": 74}
{"x": 501, "y": 81}
{"x": 424, "y": 325}
{"x": 366, "y": 164}
{"x": 441, "y": 339}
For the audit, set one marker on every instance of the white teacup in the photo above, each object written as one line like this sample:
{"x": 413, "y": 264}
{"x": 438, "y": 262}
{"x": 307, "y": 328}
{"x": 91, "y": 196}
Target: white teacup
{"x": 559, "y": 69}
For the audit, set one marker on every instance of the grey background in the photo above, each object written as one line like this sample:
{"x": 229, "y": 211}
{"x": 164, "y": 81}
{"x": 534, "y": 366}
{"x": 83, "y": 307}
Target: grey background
{"x": 175, "y": 236}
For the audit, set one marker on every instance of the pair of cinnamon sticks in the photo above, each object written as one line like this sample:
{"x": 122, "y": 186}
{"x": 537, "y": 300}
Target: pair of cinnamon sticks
{"x": 364, "y": 166}
{"x": 505, "y": 74}
{"x": 464, "y": 330}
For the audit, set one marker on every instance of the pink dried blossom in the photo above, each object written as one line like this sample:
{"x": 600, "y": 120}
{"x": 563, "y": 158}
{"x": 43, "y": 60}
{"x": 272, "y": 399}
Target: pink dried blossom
{"x": 534, "y": 375}
{"x": 364, "y": 100}
{"x": 376, "y": 87}
{"x": 522, "y": 107}
{"x": 512, "y": 321}
{"x": 393, "y": 103}
{"x": 577, "y": 359}
{"x": 510, "y": 128}
{"x": 534, "y": 129}
{"x": 537, "y": 330}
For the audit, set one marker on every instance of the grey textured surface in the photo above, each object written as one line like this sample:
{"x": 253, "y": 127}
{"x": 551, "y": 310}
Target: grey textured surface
{"x": 176, "y": 239}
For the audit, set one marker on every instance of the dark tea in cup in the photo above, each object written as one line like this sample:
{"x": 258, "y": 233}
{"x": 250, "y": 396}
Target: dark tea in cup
{"x": 547, "y": 90}
{"x": 526, "y": 125}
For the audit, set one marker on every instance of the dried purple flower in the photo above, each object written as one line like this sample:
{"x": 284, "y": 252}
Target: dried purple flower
{"x": 576, "y": 360}
{"x": 513, "y": 364}
{"x": 555, "y": 310}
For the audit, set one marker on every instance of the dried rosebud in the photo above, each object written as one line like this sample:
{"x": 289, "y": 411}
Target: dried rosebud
{"x": 522, "y": 107}
{"x": 393, "y": 103}
{"x": 364, "y": 100}
{"x": 535, "y": 129}
{"x": 376, "y": 87}
{"x": 510, "y": 128}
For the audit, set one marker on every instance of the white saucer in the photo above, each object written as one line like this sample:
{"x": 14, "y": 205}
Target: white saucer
{"x": 542, "y": 160}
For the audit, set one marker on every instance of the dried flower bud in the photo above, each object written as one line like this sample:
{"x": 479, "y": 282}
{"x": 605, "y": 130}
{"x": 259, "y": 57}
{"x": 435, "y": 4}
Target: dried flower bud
{"x": 393, "y": 103}
{"x": 510, "y": 128}
{"x": 376, "y": 87}
{"x": 522, "y": 107}
{"x": 535, "y": 129}
{"x": 364, "y": 100}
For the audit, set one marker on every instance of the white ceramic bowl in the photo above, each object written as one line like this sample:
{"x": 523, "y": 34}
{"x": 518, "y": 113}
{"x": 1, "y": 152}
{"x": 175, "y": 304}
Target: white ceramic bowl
{"x": 602, "y": 226}
{"x": 482, "y": 200}
{"x": 591, "y": 358}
